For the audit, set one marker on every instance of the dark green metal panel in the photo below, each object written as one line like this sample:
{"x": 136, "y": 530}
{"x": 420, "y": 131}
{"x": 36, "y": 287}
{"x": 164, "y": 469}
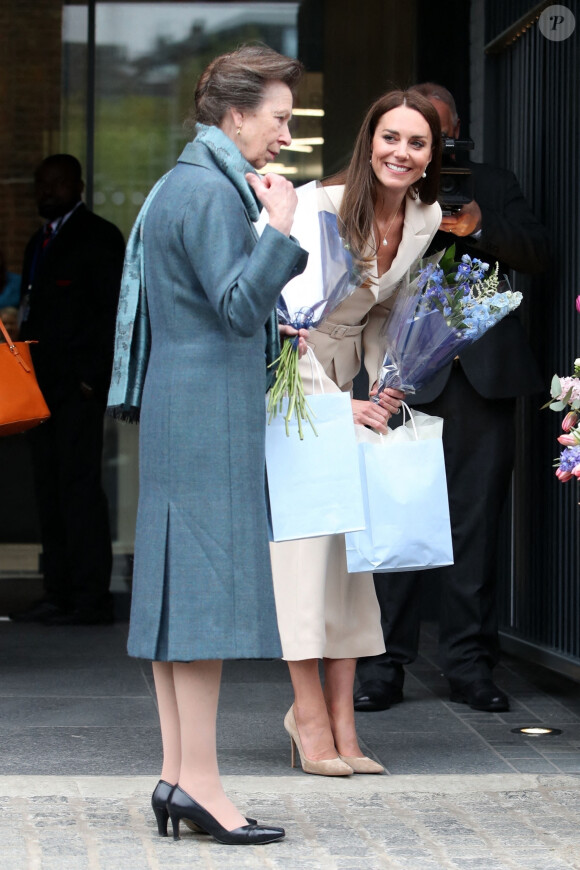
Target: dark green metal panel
{"x": 533, "y": 128}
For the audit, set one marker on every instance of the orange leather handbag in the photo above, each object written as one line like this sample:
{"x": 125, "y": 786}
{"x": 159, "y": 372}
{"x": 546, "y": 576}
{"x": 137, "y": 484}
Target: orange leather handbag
{"x": 22, "y": 405}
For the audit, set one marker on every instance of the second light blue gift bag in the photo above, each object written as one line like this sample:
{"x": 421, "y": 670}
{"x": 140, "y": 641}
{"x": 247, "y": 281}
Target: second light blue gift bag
{"x": 314, "y": 484}
{"x": 405, "y": 498}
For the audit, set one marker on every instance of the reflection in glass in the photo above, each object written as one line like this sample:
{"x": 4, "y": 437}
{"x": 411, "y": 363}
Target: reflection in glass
{"x": 148, "y": 57}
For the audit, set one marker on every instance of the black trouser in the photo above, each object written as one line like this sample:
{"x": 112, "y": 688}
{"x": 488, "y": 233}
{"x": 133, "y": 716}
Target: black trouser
{"x": 72, "y": 506}
{"x": 478, "y": 442}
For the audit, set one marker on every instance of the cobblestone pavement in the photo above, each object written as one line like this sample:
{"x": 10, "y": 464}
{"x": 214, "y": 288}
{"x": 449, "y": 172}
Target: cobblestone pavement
{"x": 490, "y": 822}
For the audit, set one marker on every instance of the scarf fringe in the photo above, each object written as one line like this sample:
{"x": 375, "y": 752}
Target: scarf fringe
{"x": 124, "y": 414}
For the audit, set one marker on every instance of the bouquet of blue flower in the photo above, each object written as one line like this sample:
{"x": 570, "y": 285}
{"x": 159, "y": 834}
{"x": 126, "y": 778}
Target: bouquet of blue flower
{"x": 332, "y": 274}
{"x": 443, "y": 307}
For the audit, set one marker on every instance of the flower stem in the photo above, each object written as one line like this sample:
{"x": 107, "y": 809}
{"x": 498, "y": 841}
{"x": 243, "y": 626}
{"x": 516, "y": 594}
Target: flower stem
{"x": 288, "y": 382}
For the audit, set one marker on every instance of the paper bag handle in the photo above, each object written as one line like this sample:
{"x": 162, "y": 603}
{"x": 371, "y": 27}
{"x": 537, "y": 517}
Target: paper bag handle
{"x": 314, "y": 363}
{"x": 409, "y": 412}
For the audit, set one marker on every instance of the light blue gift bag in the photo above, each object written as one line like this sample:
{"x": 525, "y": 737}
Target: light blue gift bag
{"x": 314, "y": 484}
{"x": 405, "y": 499}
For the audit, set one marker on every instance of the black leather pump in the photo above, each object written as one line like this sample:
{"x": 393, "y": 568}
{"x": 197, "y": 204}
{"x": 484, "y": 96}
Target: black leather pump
{"x": 181, "y": 806}
{"x": 159, "y": 800}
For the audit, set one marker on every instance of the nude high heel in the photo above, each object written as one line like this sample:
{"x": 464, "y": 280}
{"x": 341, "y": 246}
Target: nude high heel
{"x": 362, "y": 764}
{"x": 326, "y": 767}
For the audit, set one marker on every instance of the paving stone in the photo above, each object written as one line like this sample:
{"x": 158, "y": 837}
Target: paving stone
{"x": 109, "y": 824}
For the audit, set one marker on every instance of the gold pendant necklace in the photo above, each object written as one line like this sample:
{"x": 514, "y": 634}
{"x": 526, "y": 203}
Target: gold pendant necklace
{"x": 385, "y": 242}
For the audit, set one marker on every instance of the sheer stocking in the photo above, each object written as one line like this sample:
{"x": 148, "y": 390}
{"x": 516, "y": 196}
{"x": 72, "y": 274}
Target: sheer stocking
{"x": 188, "y": 694}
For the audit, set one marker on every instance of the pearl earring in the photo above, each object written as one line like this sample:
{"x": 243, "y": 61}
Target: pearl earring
{"x": 424, "y": 174}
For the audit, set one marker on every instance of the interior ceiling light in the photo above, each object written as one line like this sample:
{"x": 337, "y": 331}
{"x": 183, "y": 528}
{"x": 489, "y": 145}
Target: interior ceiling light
{"x": 536, "y": 731}
{"x": 304, "y": 149}
{"x": 280, "y": 168}
{"x": 309, "y": 113}
{"x": 312, "y": 140}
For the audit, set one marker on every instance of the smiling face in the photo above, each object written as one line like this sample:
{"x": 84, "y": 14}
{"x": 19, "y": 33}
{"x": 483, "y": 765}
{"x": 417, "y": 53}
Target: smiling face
{"x": 265, "y": 130}
{"x": 401, "y": 148}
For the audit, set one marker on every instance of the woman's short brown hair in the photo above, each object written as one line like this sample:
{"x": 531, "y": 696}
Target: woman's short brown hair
{"x": 357, "y": 207}
{"x": 238, "y": 79}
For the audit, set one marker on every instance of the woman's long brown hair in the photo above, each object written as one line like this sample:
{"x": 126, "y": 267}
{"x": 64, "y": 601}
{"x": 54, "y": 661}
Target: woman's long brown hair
{"x": 360, "y": 182}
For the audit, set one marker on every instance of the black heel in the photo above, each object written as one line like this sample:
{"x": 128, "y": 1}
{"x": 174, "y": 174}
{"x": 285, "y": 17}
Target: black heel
{"x": 159, "y": 800}
{"x": 181, "y": 806}
{"x": 162, "y": 817}
{"x": 175, "y": 826}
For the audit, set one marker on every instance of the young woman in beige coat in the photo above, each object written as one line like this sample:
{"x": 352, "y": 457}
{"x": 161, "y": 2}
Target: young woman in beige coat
{"x": 386, "y": 199}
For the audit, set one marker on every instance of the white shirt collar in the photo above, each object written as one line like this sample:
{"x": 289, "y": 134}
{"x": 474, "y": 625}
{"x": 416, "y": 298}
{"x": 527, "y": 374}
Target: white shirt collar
{"x": 57, "y": 224}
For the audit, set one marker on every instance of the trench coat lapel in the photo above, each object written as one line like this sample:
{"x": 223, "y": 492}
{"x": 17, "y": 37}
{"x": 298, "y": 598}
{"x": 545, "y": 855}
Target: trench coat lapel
{"x": 416, "y": 235}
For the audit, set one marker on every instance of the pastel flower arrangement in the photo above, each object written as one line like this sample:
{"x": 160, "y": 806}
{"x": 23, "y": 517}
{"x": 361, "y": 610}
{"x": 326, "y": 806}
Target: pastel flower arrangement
{"x": 470, "y": 300}
{"x": 565, "y": 393}
{"x": 443, "y": 308}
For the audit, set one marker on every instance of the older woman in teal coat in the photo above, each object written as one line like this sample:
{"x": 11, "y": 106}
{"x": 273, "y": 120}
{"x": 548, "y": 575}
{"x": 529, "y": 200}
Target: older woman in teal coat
{"x": 202, "y": 586}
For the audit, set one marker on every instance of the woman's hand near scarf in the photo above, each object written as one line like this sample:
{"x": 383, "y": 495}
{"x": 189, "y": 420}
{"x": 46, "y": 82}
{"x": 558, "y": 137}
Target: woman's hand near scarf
{"x": 278, "y": 197}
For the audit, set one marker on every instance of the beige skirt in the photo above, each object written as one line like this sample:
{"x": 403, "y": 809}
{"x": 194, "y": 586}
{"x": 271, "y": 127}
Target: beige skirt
{"x": 323, "y": 611}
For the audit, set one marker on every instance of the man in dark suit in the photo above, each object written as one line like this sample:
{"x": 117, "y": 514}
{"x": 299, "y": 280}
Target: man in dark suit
{"x": 70, "y": 286}
{"x": 475, "y": 396}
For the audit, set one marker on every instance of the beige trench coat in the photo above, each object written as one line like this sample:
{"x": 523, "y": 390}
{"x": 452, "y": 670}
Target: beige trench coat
{"x": 323, "y": 611}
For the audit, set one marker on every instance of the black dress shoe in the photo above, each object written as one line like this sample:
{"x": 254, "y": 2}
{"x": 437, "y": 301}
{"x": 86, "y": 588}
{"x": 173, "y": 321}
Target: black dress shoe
{"x": 181, "y": 806}
{"x": 159, "y": 800}
{"x": 376, "y": 695}
{"x": 81, "y": 617}
{"x": 38, "y": 612}
{"x": 481, "y": 695}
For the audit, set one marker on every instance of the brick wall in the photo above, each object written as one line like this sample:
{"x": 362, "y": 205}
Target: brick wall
{"x": 30, "y": 84}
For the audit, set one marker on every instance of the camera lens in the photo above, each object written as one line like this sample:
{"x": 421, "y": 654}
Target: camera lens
{"x": 449, "y": 185}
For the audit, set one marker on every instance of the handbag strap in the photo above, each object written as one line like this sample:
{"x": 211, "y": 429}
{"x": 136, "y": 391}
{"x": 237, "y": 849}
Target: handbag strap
{"x": 9, "y": 341}
{"x": 12, "y": 347}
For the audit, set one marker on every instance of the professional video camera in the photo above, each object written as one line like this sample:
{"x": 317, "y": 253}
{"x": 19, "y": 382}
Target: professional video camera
{"x": 456, "y": 183}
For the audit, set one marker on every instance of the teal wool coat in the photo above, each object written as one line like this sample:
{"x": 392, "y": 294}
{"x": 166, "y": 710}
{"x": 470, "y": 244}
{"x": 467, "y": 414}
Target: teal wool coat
{"x": 202, "y": 586}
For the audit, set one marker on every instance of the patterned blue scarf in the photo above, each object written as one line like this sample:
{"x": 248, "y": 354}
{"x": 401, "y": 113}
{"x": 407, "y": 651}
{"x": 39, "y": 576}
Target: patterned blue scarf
{"x": 133, "y": 330}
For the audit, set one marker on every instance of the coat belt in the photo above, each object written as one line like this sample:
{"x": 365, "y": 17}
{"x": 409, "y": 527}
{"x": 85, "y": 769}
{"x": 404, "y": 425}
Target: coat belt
{"x": 339, "y": 330}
